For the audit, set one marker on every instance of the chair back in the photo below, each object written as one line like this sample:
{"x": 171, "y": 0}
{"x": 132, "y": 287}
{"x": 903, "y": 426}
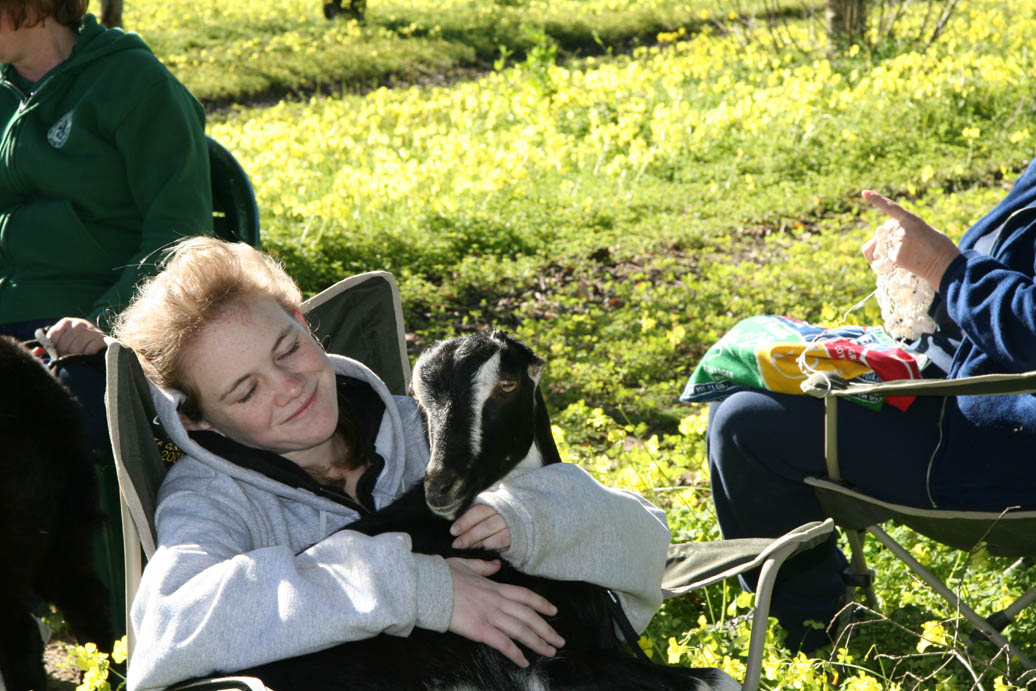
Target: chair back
{"x": 235, "y": 215}
{"x": 360, "y": 316}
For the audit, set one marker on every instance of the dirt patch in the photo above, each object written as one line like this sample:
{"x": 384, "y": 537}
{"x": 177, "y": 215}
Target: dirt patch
{"x": 59, "y": 678}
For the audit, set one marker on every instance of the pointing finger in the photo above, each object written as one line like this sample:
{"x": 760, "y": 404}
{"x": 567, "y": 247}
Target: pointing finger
{"x": 890, "y": 207}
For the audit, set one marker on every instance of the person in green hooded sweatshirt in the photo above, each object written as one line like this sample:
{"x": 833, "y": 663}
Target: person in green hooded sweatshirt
{"x": 103, "y": 162}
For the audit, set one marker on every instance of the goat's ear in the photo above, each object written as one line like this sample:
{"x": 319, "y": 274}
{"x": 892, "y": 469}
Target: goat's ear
{"x": 535, "y": 370}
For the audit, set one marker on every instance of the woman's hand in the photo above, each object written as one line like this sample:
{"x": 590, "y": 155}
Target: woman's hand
{"x": 481, "y": 527}
{"x": 75, "y": 336}
{"x": 498, "y": 614}
{"x": 913, "y": 244}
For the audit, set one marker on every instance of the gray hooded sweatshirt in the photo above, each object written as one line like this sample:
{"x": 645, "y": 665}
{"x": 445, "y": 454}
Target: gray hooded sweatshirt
{"x": 249, "y": 570}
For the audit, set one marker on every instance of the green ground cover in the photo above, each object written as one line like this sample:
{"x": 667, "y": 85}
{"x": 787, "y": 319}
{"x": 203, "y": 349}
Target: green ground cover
{"x": 619, "y": 210}
{"x": 236, "y": 50}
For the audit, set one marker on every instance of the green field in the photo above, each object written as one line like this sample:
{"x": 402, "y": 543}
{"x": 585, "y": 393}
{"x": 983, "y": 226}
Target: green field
{"x": 618, "y": 183}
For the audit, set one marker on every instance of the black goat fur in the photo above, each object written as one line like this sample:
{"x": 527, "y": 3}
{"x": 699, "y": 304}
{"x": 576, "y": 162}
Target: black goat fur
{"x": 48, "y": 513}
{"x": 592, "y": 658}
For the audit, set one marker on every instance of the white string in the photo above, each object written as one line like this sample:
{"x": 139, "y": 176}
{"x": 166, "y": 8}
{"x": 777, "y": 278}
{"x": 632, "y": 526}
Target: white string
{"x": 815, "y": 377}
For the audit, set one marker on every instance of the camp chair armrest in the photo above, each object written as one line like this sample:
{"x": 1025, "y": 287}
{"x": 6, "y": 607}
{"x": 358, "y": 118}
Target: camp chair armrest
{"x": 694, "y": 565}
{"x": 220, "y": 684}
{"x": 981, "y": 385}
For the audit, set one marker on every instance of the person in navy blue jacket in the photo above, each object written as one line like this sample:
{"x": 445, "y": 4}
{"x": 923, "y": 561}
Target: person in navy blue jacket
{"x": 968, "y": 452}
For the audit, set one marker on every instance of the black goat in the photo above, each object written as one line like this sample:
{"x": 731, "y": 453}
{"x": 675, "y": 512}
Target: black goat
{"x": 485, "y": 416}
{"x": 48, "y": 512}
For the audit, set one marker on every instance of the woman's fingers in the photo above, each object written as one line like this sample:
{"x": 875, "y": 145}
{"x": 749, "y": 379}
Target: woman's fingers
{"x": 538, "y": 641}
{"x": 476, "y": 514}
{"x": 72, "y": 336}
{"x": 502, "y": 642}
{"x": 890, "y": 207}
{"x": 528, "y": 598}
{"x": 868, "y": 250}
{"x": 481, "y": 526}
{"x": 883, "y": 203}
{"x": 500, "y": 615}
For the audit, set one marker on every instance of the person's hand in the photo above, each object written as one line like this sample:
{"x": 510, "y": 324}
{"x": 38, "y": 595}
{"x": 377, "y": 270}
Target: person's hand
{"x": 913, "y": 244}
{"x": 75, "y": 336}
{"x": 498, "y": 614}
{"x": 871, "y": 246}
{"x": 481, "y": 527}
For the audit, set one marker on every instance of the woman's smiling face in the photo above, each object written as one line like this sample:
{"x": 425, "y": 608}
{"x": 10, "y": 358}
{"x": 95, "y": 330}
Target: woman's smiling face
{"x": 263, "y": 381}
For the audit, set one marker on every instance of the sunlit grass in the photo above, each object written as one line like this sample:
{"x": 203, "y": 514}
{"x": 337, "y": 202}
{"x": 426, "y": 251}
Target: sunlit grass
{"x": 234, "y": 48}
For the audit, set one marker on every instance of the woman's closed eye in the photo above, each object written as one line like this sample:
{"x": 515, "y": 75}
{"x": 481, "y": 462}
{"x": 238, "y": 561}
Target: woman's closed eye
{"x": 292, "y": 349}
{"x": 296, "y": 344}
{"x": 248, "y": 394}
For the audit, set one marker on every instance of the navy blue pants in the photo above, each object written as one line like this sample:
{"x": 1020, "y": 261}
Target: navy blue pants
{"x": 761, "y": 446}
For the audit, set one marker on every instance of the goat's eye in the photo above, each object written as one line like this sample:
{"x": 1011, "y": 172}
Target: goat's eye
{"x": 508, "y": 385}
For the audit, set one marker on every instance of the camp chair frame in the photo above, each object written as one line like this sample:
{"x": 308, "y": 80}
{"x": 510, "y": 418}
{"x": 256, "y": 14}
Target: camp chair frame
{"x": 858, "y": 514}
{"x": 362, "y": 317}
{"x": 694, "y": 565}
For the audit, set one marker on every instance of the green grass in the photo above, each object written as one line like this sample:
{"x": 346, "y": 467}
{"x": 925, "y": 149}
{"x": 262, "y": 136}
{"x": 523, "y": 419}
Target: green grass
{"x": 235, "y": 51}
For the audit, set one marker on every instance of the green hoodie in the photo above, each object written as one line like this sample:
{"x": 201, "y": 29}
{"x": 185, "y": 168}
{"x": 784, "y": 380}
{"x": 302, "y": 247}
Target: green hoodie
{"x": 101, "y": 165}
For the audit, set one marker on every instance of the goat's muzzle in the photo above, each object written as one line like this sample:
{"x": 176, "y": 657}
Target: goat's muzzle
{"x": 444, "y": 493}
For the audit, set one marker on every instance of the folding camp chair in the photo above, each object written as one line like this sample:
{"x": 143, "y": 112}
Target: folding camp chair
{"x": 362, "y": 317}
{"x": 1009, "y": 533}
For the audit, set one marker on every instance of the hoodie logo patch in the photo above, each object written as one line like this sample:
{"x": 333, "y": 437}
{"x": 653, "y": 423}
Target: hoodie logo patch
{"x": 58, "y": 134}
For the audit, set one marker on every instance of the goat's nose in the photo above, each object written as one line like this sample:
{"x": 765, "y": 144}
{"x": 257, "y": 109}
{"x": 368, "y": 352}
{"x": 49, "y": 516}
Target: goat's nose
{"x": 443, "y": 490}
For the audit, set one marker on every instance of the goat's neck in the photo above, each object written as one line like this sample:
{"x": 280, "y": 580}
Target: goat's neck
{"x": 543, "y": 451}
{"x": 532, "y": 460}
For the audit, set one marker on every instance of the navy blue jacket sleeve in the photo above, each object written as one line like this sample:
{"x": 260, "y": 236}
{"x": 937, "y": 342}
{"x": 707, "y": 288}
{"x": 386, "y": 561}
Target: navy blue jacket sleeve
{"x": 994, "y": 303}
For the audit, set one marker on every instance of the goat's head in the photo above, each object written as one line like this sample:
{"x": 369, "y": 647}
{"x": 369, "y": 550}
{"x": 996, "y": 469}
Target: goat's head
{"x": 485, "y": 416}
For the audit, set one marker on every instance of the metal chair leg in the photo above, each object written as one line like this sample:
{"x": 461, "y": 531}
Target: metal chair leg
{"x": 971, "y": 615}
{"x": 859, "y": 576}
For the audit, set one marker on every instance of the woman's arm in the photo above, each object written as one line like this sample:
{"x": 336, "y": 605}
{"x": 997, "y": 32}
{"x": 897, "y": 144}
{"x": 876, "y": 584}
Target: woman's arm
{"x": 563, "y": 524}
{"x": 211, "y": 600}
{"x": 994, "y": 305}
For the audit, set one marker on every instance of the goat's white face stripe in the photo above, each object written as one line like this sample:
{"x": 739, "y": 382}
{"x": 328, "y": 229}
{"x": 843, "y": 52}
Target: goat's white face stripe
{"x": 484, "y": 382}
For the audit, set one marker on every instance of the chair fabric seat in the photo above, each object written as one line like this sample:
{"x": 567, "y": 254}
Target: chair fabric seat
{"x": 1007, "y": 533}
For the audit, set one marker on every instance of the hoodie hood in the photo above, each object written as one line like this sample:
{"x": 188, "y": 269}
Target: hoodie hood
{"x": 93, "y": 42}
{"x": 390, "y": 444}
